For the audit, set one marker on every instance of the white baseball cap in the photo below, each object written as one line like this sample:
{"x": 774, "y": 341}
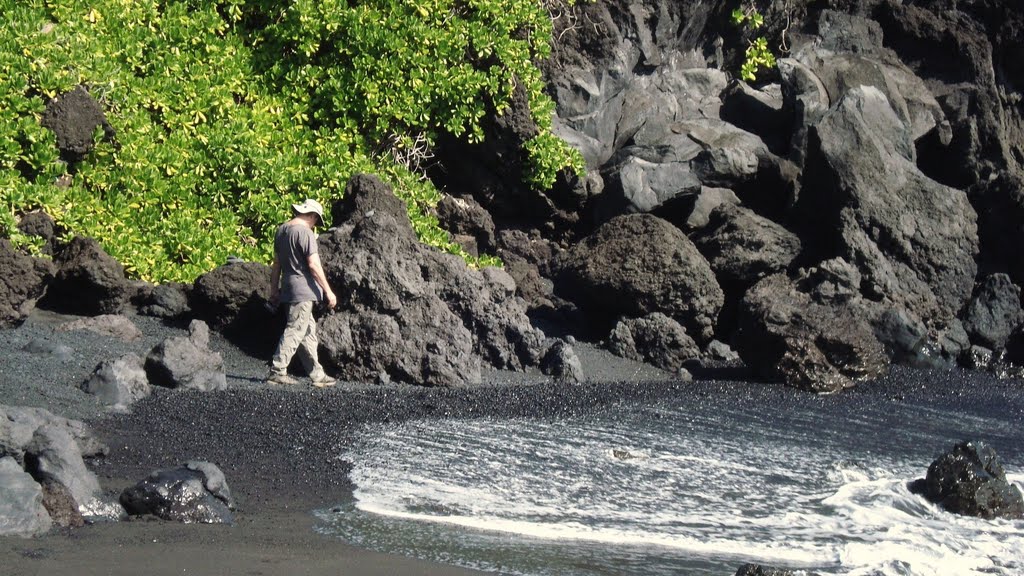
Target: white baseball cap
{"x": 310, "y": 206}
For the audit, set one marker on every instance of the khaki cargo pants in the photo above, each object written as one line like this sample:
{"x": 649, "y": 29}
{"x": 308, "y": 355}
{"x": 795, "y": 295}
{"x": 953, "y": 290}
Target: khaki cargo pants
{"x": 299, "y": 333}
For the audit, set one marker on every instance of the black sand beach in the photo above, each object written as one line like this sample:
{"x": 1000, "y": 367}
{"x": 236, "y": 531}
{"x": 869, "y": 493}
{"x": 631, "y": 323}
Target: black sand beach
{"x": 277, "y": 447}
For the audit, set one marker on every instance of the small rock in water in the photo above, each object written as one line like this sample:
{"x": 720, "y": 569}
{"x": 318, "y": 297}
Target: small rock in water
{"x": 758, "y": 570}
{"x": 970, "y": 480}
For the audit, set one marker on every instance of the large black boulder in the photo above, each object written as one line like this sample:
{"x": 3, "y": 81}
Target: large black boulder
{"x": 408, "y": 312}
{"x": 638, "y": 264}
{"x": 994, "y": 312}
{"x": 970, "y": 480}
{"x": 232, "y": 299}
{"x": 22, "y": 283}
{"x": 74, "y": 117}
{"x": 807, "y": 336}
{"x": 759, "y": 570}
{"x": 195, "y": 492}
{"x": 89, "y": 282}
{"x": 913, "y": 239}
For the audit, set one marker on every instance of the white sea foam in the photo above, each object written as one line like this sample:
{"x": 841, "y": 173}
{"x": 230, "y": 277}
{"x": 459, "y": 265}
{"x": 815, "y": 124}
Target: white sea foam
{"x": 715, "y": 488}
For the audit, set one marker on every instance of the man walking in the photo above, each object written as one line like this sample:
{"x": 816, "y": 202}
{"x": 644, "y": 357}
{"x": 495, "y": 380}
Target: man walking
{"x": 297, "y": 279}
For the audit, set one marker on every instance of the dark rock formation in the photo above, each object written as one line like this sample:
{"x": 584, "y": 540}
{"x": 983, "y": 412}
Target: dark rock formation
{"x": 53, "y": 453}
{"x": 1000, "y": 203}
{"x": 758, "y": 570}
{"x": 742, "y": 247}
{"x": 913, "y": 239}
{"x": 47, "y": 449}
{"x": 638, "y": 264}
{"x": 655, "y": 339}
{"x": 168, "y": 301}
{"x": 970, "y": 480}
{"x": 994, "y": 312}
{"x": 407, "y": 312}
{"x": 471, "y": 225}
{"x": 785, "y": 334}
{"x": 706, "y": 202}
{"x": 233, "y": 300}
{"x": 194, "y": 493}
{"x": 493, "y": 172}
{"x": 89, "y": 282}
{"x": 969, "y": 53}
{"x": 23, "y": 282}
{"x": 561, "y": 362}
{"x": 39, "y": 224}
{"x": 21, "y": 424}
{"x": 187, "y": 362}
{"x": 526, "y": 256}
{"x": 43, "y": 477}
{"x": 74, "y": 117}
{"x": 119, "y": 383}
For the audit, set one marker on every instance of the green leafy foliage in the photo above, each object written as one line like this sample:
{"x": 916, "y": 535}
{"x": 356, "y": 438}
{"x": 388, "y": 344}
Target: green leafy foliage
{"x": 227, "y": 111}
{"x": 758, "y": 56}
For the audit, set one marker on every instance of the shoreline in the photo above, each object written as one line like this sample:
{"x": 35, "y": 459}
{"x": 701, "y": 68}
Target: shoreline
{"x": 277, "y": 448}
{"x": 280, "y": 449}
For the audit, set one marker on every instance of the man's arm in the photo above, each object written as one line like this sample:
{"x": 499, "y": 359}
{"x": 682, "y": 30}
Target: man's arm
{"x": 275, "y": 282}
{"x": 317, "y": 270}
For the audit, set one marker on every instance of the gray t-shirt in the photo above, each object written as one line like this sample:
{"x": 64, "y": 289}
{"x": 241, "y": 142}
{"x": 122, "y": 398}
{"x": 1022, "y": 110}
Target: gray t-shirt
{"x": 293, "y": 245}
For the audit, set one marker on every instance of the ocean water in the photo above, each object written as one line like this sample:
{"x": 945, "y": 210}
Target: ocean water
{"x": 688, "y": 486}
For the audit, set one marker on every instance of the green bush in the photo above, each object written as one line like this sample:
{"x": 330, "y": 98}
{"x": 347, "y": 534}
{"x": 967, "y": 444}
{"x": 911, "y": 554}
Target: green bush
{"x": 227, "y": 111}
{"x": 757, "y": 56}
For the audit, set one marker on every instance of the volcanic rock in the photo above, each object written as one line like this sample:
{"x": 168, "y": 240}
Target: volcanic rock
{"x": 465, "y": 217}
{"x": 23, "y": 282}
{"x": 89, "y": 282}
{"x": 407, "y": 312}
{"x": 785, "y": 334}
{"x": 233, "y": 300}
{"x": 742, "y": 247}
{"x": 74, "y": 117}
{"x": 994, "y": 312}
{"x": 638, "y": 264}
{"x": 22, "y": 423}
{"x": 759, "y": 570}
{"x": 110, "y": 325}
{"x": 60, "y": 504}
{"x": 39, "y": 224}
{"x": 970, "y": 480}
{"x": 163, "y": 300}
{"x": 655, "y": 339}
{"x": 196, "y": 492}
{"x": 561, "y": 362}
{"x": 119, "y": 383}
{"x": 187, "y": 362}
{"x": 912, "y": 239}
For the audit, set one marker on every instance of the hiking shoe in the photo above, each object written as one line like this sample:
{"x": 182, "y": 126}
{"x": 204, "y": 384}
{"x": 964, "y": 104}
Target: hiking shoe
{"x": 324, "y": 381}
{"x": 281, "y": 380}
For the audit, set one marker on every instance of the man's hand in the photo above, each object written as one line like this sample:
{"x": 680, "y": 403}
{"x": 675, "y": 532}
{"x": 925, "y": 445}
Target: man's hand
{"x": 332, "y": 300}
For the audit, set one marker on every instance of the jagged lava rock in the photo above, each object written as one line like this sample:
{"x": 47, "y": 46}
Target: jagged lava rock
{"x": 970, "y": 480}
